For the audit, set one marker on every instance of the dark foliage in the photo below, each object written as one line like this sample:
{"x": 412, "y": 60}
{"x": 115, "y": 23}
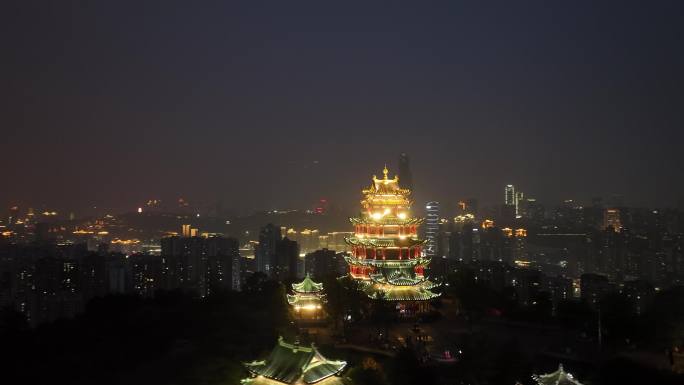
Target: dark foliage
{"x": 172, "y": 339}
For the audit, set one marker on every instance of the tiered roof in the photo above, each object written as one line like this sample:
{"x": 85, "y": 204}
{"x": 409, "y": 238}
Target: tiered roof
{"x": 308, "y": 295}
{"x": 388, "y": 221}
{"x": 388, "y": 263}
{"x": 307, "y": 286}
{"x": 384, "y": 242}
{"x": 386, "y": 191}
{"x": 294, "y": 364}
{"x": 559, "y": 377}
{"x": 398, "y": 293}
{"x": 398, "y": 277}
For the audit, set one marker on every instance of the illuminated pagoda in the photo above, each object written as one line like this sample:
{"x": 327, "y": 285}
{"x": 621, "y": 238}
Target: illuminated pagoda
{"x": 386, "y": 254}
{"x": 294, "y": 364}
{"x": 559, "y": 377}
{"x": 308, "y": 298}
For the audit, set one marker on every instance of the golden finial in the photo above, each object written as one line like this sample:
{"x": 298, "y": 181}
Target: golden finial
{"x": 385, "y": 171}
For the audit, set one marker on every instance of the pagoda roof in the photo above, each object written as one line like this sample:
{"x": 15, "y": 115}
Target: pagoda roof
{"x": 387, "y": 221}
{"x": 559, "y": 377}
{"x": 307, "y": 286}
{"x": 401, "y": 278}
{"x": 386, "y": 185}
{"x": 305, "y": 300}
{"x": 387, "y": 263}
{"x": 418, "y": 292}
{"x": 384, "y": 242}
{"x": 291, "y": 363}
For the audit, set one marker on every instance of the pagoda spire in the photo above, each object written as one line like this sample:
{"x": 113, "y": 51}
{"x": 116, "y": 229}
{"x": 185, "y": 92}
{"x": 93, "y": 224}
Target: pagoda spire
{"x": 385, "y": 171}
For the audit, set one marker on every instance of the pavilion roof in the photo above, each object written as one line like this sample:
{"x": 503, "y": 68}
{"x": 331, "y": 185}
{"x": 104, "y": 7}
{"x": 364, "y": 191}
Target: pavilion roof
{"x": 386, "y": 185}
{"x": 384, "y": 242}
{"x": 305, "y": 300}
{"x": 402, "y": 279}
{"x": 388, "y": 263}
{"x": 388, "y": 221}
{"x": 419, "y": 292}
{"x": 307, "y": 286}
{"x": 559, "y": 377}
{"x": 290, "y": 363}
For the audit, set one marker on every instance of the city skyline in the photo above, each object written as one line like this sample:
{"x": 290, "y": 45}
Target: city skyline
{"x": 342, "y": 193}
{"x": 178, "y": 203}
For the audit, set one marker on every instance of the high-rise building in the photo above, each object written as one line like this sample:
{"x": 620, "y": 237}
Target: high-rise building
{"x": 186, "y": 230}
{"x": 286, "y": 263}
{"x": 431, "y": 228}
{"x": 519, "y": 196}
{"x": 405, "y": 176}
{"x": 611, "y": 219}
{"x": 203, "y": 265}
{"x": 467, "y": 206}
{"x": 509, "y": 195}
{"x": 325, "y": 262}
{"x": 386, "y": 255}
{"x": 513, "y": 199}
{"x": 265, "y": 252}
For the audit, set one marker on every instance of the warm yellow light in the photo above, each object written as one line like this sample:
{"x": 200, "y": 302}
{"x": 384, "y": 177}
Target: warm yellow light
{"x": 307, "y": 307}
{"x": 377, "y": 216}
{"x": 402, "y": 215}
{"x": 125, "y": 241}
{"x": 387, "y": 211}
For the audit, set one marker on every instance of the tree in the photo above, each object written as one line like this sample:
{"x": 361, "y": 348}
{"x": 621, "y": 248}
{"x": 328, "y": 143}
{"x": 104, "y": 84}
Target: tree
{"x": 383, "y": 312}
{"x": 12, "y": 321}
{"x": 368, "y": 373}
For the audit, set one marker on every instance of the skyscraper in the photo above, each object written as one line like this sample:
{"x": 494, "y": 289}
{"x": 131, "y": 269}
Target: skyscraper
{"x": 431, "y": 228}
{"x": 405, "y": 177}
{"x": 513, "y": 199}
{"x": 265, "y": 252}
{"x": 509, "y": 197}
{"x": 611, "y": 220}
{"x": 519, "y": 196}
{"x": 285, "y": 263}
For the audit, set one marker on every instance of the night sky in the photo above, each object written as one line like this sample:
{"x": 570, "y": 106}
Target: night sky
{"x": 276, "y": 104}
